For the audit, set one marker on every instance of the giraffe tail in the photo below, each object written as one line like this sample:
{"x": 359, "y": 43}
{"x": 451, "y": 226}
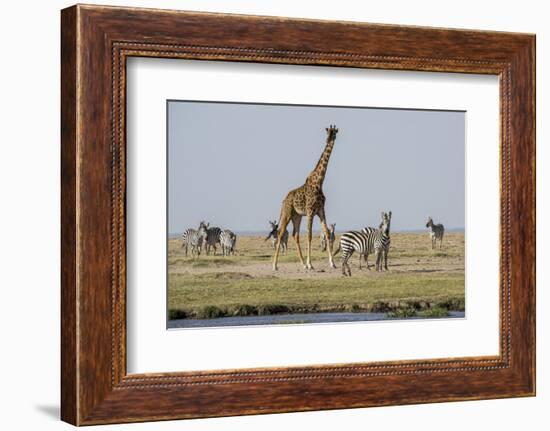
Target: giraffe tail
{"x": 337, "y": 251}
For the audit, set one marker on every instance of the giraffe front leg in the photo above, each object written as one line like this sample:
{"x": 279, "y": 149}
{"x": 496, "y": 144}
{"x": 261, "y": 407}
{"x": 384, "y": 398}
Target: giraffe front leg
{"x": 309, "y": 238}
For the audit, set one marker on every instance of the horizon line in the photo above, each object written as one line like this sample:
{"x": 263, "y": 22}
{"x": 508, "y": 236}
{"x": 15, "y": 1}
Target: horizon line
{"x": 338, "y": 231}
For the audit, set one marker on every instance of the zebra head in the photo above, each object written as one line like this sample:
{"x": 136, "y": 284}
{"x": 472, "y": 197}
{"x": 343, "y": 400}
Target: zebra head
{"x": 274, "y": 230}
{"x": 331, "y": 133}
{"x": 385, "y": 224}
{"x": 203, "y": 230}
{"x": 430, "y": 222}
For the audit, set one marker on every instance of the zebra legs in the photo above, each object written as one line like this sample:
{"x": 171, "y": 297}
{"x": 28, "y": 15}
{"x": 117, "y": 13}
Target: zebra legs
{"x": 345, "y": 265}
{"x": 378, "y": 254}
{"x": 381, "y": 258}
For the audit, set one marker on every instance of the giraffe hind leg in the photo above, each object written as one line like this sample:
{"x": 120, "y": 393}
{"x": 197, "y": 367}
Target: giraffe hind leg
{"x": 296, "y": 221}
{"x": 309, "y": 238}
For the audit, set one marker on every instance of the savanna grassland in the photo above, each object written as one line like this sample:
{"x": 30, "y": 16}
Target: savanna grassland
{"x": 420, "y": 281}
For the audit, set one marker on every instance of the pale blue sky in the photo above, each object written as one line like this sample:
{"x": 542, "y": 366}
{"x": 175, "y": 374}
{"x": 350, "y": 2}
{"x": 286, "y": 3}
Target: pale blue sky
{"x": 232, "y": 164}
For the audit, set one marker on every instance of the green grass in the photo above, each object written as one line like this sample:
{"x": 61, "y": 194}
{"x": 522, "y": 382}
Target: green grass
{"x": 240, "y": 295}
{"x": 402, "y": 313}
{"x": 437, "y": 311}
{"x": 421, "y": 282}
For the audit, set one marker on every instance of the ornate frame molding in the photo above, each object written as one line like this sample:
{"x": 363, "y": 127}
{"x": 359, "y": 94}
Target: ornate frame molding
{"x": 96, "y": 41}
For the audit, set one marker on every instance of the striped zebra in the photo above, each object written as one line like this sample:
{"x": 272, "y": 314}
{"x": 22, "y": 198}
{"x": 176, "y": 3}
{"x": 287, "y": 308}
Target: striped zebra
{"x": 228, "y": 241}
{"x": 367, "y": 241}
{"x": 332, "y": 236}
{"x": 194, "y": 239}
{"x": 212, "y": 237}
{"x": 436, "y": 232}
{"x": 273, "y": 235}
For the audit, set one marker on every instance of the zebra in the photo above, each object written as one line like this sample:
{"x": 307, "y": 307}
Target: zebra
{"x": 436, "y": 232}
{"x": 228, "y": 241}
{"x": 367, "y": 241}
{"x": 194, "y": 239}
{"x": 273, "y": 235}
{"x": 332, "y": 237}
{"x": 212, "y": 237}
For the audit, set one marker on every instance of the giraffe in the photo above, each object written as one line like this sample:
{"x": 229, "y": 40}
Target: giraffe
{"x": 307, "y": 200}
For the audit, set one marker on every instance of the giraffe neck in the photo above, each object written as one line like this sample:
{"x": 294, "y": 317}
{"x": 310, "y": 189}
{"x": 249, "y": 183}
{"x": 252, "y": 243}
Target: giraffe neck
{"x": 318, "y": 174}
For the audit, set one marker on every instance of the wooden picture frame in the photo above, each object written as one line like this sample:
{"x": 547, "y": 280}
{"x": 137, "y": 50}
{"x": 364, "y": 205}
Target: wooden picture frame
{"x": 95, "y": 43}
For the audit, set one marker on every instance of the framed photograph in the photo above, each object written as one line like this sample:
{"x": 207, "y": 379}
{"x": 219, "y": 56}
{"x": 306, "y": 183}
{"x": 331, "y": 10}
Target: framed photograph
{"x": 264, "y": 215}
{"x": 225, "y": 277}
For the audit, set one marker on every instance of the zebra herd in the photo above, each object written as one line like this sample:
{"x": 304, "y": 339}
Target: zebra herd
{"x": 207, "y": 238}
{"x": 366, "y": 241}
{"x": 370, "y": 240}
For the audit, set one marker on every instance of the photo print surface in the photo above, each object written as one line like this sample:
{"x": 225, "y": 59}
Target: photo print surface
{"x": 296, "y": 214}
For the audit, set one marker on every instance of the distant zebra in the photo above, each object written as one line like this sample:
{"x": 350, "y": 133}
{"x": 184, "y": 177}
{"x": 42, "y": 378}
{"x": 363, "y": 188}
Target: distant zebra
{"x": 228, "y": 241}
{"x": 367, "y": 241}
{"x": 331, "y": 230}
{"x": 212, "y": 237}
{"x": 436, "y": 232}
{"x": 194, "y": 239}
{"x": 273, "y": 235}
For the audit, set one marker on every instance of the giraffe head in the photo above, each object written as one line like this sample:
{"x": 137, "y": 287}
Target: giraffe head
{"x": 331, "y": 133}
